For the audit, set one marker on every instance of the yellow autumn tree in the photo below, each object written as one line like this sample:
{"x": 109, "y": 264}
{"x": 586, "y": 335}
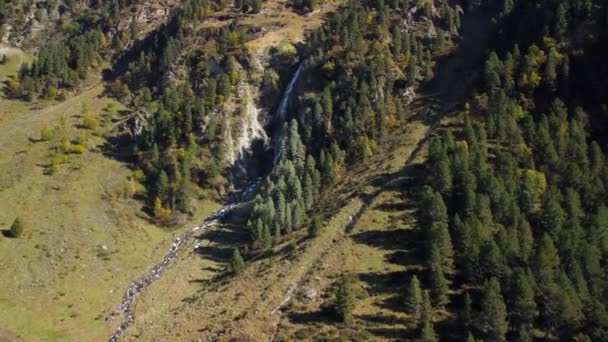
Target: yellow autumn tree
{"x": 131, "y": 188}
{"x": 160, "y": 212}
{"x": 536, "y": 185}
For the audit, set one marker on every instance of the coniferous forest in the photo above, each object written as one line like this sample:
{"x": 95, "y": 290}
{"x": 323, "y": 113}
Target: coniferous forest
{"x": 263, "y": 136}
{"x": 514, "y": 206}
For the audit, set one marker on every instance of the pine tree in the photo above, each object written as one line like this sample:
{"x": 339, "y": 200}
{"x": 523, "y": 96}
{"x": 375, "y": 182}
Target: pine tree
{"x": 428, "y": 332}
{"x": 599, "y": 229}
{"x": 315, "y": 226}
{"x": 413, "y": 301}
{"x": 561, "y": 23}
{"x": 547, "y": 261}
{"x": 435, "y": 222}
{"x": 427, "y": 309}
{"x": 266, "y": 237}
{"x": 523, "y": 334}
{"x": 524, "y": 308}
{"x": 526, "y": 240}
{"x": 345, "y": 299}
{"x": 439, "y": 285}
{"x": 162, "y": 185}
{"x": 494, "y": 312}
{"x": 16, "y": 228}
{"x": 467, "y": 312}
{"x": 237, "y": 264}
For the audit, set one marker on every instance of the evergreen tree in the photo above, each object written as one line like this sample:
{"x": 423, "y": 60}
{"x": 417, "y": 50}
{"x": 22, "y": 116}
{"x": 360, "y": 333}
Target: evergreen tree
{"x": 439, "y": 285}
{"x": 522, "y": 334}
{"x": 547, "y": 261}
{"x": 427, "y": 309}
{"x": 413, "y": 301}
{"x": 435, "y": 222}
{"x": 345, "y": 299}
{"x": 16, "y": 228}
{"x": 428, "y": 332}
{"x": 467, "y": 312}
{"x": 315, "y": 226}
{"x": 237, "y": 264}
{"x": 494, "y": 312}
{"x": 524, "y": 309}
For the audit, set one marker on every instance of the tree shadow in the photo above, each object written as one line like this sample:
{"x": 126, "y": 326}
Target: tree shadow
{"x": 385, "y": 319}
{"x": 383, "y": 283}
{"x": 394, "y": 206}
{"x": 309, "y": 317}
{"x": 406, "y": 240}
{"x": 398, "y": 334}
{"x": 217, "y": 254}
{"x": 451, "y": 329}
{"x": 218, "y": 245}
{"x": 7, "y": 234}
{"x": 118, "y": 148}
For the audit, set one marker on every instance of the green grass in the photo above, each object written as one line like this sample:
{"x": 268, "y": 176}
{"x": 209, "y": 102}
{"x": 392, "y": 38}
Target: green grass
{"x": 14, "y": 59}
{"x": 56, "y": 285}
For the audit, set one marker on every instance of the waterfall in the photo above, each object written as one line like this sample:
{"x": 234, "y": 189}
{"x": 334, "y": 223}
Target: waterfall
{"x": 279, "y": 118}
{"x": 284, "y": 106}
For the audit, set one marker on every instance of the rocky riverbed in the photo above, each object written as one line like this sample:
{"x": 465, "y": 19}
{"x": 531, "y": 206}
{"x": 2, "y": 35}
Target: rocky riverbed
{"x": 126, "y": 308}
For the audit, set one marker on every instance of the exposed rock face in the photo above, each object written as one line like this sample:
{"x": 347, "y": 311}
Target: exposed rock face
{"x": 230, "y": 155}
{"x": 409, "y": 94}
{"x": 251, "y": 128}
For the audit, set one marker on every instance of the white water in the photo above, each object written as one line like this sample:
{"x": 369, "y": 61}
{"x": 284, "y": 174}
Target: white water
{"x": 279, "y": 118}
{"x": 284, "y": 106}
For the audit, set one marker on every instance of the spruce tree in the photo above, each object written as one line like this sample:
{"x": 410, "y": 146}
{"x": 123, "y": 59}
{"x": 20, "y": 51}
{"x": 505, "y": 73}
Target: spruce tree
{"x": 16, "y": 228}
{"x": 237, "y": 263}
{"x": 547, "y": 261}
{"x": 428, "y": 333}
{"x": 439, "y": 285}
{"x": 345, "y": 299}
{"x": 524, "y": 309}
{"x": 435, "y": 220}
{"x": 413, "y": 303}
{"x": 315, "y": 226}
{"x": 467, "y": 311}
{"x": 522, "y": 334}
{"x": 494, "y": 312}
{"x": 427, "y": 308}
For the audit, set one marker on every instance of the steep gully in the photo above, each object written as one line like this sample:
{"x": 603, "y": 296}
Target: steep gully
{"x": 451, "y": 82}
{"x": 127, "y": 306}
